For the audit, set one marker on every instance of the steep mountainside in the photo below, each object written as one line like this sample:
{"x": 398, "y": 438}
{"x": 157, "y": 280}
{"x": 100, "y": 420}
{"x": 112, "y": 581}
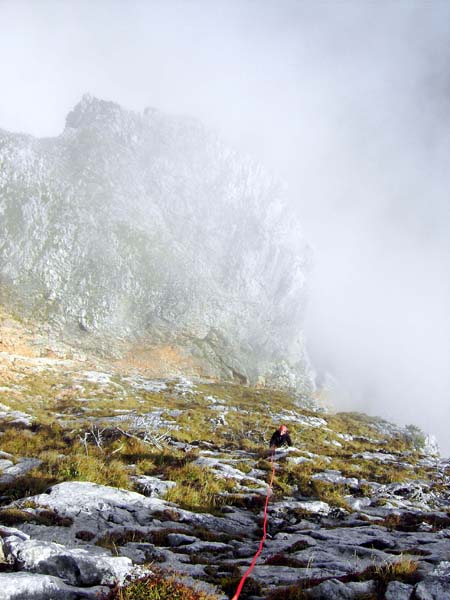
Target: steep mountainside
{"x": 148, "y": 228}
{"x": 107, "y": 476}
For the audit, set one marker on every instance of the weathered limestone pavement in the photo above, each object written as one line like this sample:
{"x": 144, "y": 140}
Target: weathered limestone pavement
{"x": 353, "y": 514}
{"x": 308, "y": 543}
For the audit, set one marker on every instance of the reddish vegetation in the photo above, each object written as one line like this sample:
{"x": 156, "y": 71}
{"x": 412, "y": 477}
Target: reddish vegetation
{"x": 158, "y": 587}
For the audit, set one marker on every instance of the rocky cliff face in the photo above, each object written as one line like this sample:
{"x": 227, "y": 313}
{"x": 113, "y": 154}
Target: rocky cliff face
{"x": 131, "y": 226}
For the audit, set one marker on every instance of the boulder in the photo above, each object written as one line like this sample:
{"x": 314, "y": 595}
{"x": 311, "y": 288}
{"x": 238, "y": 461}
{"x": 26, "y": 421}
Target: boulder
{"x": 336, "y": 477}
{"x": 22, "y": 467}
{"x": 396, "y": 590}
{"x": 336, "y": 590}
{"x": 77, "y": 566}
{"x": 179, "y": 539}
{"x": 15, "y": 417}
{"x": 313, "y": 507}
{"x": 98, "y": 508}
{"x": 33, "y": 586}
{"x": 436, "y": 585}
{"x": 5, "y": 463}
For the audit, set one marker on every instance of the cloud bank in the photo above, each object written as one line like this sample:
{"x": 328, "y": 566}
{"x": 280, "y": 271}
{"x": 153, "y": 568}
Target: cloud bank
{"x": 349, "y": 102}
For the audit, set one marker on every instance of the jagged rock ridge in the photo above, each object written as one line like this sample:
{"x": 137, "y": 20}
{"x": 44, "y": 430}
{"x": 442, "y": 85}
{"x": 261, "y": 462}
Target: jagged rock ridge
{"x": 135, "y": 225}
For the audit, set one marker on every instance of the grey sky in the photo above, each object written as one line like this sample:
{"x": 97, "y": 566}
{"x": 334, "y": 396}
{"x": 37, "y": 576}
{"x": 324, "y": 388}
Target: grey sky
{"x": 348, "y": 101}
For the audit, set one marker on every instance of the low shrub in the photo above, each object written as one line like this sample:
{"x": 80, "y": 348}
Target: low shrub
{"x": 405, "y": 570}
{"x": 14, "y": 516}
{"x": 33, "y": 483}
{"x": 158, "y": 587}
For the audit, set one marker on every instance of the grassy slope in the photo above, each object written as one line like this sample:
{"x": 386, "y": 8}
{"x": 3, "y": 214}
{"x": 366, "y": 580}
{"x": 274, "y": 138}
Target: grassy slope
{"x": 74, "y": 433}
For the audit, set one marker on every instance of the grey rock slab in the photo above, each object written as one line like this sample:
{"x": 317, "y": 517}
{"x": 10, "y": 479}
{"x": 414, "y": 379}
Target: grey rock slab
{"x": 292, "y": 538}
{"x": 432, "y": 590}
{"x": 436, "y": 585}
{"x": 357, "y": 504}
{"x": 140, "y": 552}
{"x": 333, "y": 443}
{"x": 275, "y": 575}
{"x": 383, "y": 457}
{"x": 180, "y": 563}
{"x": 257, "y": 474}
{"x": 316, "y": 507}
{"x": 343, "y": 557}
{"x": 6, "y": 532}
{"x": 98, "y": 508}
{"x": 396, "y": 590}
{"x": 32, "y": 586}
{"x": 344, "y": 436}
{"x": 300, "y": 419}
{"x": 357, "y": 536}
{"x": 298, "y": 460}
{"x": 96, "y": 377}
{"x": 51, "y": 533}
{"x": 286, "y": 544}
{"x": 241, "y": 516}
{"x": 77, "y": 566}
{"x": 179, "y": 539}
{"x": 336, "y": 590}
{"x": 15, "y": 416}
{"x": 310, "y": 506}
{"x": 148, "y": 385}
{"x": 413, "y": 495}
{"x": 153, "y": 486}
{"x": 224, "y": 469}
{"x": 336, "y": 477}
{"x": 435, "y": 552}
{"x": 207, "y": 547}
{"x": 312, "y": 454}
{"x": 244, "y": 549}
{"x": 233, "y": 523}
{"x": 406, "y": 489}
{"x": 22, "y": 467}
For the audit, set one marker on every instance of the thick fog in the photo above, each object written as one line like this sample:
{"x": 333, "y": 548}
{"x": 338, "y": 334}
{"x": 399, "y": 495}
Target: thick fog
{"x": 349, "y": 102}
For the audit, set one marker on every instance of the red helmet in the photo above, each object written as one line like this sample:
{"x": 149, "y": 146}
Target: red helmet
{"x": 282, "y": 429}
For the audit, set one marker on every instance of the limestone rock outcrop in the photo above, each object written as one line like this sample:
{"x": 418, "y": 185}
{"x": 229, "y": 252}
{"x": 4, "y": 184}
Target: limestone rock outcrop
{"x": 147, "y": 227}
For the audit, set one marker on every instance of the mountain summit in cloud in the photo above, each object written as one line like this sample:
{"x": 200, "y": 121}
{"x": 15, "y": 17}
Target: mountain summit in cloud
{"x": 146, "y": 228}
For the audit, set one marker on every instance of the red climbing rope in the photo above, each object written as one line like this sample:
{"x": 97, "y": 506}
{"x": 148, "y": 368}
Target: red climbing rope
{"x": 263, "y": 539}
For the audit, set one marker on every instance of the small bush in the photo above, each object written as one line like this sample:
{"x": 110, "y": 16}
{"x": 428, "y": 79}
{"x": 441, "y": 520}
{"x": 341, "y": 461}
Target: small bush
{"x": 405, "y": 570}
{"x": 158, "y": 587}
{"x": 14, "y": 516}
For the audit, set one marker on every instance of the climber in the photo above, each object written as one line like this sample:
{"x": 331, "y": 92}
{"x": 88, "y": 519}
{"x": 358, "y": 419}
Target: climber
{"x": 280, "y": 437}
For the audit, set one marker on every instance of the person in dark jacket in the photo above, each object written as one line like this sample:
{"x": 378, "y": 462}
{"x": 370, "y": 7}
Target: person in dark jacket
{"x": 280, "y": 437}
